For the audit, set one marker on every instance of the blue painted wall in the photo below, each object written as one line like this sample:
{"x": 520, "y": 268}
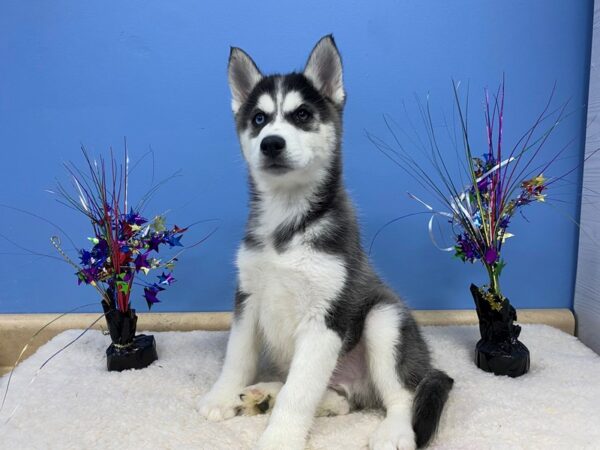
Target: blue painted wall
{"x": 91, "y": 73}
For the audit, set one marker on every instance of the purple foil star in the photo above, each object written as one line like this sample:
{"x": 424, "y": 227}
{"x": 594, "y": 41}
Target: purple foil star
{"x": 166, "y": 279}
{"x": 174, "y": 241}
{"x": 467, "y": 247}
{"x": 141, "y": 261}
{"x": 150, "y": 293}
{"x": 155, "y": 241}
{"x": 100, "y": 250}
{"x": 85, "y": 257}
{"x": 133, "y": 218}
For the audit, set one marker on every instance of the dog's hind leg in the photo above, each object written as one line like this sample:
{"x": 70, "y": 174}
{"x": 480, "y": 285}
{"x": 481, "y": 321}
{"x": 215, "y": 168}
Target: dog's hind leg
{"x": 333, "y": 404}
{"x": 412, "y": 392}
{"x": 382, "y": 337}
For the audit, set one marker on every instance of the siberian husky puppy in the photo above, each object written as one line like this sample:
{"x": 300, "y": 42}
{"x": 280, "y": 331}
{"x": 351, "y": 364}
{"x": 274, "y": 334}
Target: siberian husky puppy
{"x": 307, "y": 296}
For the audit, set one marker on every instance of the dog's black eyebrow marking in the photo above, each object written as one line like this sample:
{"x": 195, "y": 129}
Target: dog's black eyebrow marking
{"x": 266, "y": 85}
{"x": 294, "y": 81}
{"x": 298, "y": 82}
{"x": 311, "y": 126}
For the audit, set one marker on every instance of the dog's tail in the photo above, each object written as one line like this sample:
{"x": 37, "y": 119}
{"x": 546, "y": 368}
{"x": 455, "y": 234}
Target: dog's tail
{"x": 430, "y": 396}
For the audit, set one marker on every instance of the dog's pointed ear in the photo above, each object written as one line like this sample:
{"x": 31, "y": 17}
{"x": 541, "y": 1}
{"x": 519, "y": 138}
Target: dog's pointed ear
{"x": 243, "y": 76}
{"x": 324, "y": 69}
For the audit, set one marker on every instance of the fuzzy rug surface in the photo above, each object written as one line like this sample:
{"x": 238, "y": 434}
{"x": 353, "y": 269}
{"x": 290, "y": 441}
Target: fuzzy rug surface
{"x": 75, "y": 403}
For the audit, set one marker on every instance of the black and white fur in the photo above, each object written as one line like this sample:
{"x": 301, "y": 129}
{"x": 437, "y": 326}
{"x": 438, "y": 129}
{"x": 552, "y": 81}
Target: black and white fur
{"x": 307, "y": 295}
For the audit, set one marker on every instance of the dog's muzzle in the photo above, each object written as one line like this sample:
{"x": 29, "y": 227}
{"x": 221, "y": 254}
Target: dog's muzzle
{"x": 272, "y": 147}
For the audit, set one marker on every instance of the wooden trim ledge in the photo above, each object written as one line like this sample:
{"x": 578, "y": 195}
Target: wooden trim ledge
{"x": 17, "y": 329}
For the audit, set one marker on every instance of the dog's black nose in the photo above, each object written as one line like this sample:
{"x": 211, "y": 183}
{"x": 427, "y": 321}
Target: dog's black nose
{"x": 272, "y": 146}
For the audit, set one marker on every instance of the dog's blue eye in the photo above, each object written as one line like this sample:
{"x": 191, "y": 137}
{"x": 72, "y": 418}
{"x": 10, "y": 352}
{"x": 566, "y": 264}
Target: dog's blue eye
{"x": 259, "y": 118}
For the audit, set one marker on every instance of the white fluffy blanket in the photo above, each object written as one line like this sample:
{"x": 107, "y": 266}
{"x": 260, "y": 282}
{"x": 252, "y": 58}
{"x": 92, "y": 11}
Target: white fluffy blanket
{"x": 75, "y": 403}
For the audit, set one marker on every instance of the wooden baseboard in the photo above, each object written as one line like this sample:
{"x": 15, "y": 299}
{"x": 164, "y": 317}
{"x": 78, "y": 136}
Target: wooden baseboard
{"x": 16, "y": 330}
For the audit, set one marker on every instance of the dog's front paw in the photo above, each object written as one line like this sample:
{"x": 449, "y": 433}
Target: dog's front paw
{"x": 258, "y": 398}
{"x": 219, "y": 404}
{"x": 391, "y": 435}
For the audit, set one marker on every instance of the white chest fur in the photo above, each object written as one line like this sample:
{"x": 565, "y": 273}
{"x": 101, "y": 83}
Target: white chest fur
{"x": 288, "y": 288}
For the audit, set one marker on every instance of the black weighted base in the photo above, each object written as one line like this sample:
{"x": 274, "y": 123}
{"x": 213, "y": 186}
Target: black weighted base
{"x": 512, "y": 361}
{"x": 499, "y": 351}
{"x": 141, "y": 353}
